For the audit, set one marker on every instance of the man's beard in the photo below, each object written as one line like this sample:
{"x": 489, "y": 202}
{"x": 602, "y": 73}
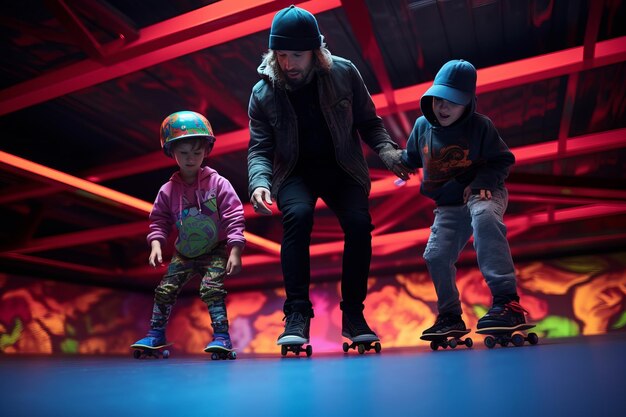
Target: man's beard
{"x": 294, "y": 84}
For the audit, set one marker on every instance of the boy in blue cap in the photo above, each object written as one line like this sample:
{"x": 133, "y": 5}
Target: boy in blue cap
{"x": 465, "y": 163}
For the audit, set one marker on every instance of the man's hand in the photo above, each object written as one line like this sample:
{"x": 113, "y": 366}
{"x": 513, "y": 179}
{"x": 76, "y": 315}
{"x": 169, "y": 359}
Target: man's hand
{"x": 260, "y": 197}
{"x": 392, "y": 158}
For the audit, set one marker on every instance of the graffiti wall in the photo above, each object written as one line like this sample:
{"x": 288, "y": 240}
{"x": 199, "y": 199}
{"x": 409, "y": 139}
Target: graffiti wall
{"x": 564, "y": 297}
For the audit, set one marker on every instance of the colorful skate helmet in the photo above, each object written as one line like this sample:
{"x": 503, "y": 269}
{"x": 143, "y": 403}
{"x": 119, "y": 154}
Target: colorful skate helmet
{"x": 181, "y": 125}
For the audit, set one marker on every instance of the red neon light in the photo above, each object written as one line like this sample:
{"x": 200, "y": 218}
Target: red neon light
{"x": 516, "y": 73}
{"x": 55, "y": 176}
{"x": 74, "y": 239}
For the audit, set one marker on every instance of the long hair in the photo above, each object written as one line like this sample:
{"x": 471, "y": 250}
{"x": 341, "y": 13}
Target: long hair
{"x": 322, "y": 61}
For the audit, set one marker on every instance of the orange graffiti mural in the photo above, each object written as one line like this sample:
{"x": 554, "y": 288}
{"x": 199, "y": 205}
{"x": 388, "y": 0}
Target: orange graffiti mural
{"x": 565, "y": 297}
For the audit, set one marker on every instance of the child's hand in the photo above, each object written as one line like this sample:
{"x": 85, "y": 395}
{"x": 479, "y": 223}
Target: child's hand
{"x": 155, "y": 254}
{"x": 485, "y": 195}
{"x": 233, "y": 266}
{"x": 467, "y": 193}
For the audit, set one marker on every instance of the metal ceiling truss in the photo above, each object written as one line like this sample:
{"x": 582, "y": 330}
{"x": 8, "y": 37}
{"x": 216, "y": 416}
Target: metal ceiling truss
{"x": 231, "y": 19}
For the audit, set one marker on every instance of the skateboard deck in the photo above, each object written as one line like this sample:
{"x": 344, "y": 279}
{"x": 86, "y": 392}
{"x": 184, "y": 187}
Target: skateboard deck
{"x": 296, "y": 348}
{"x": 362, "y": 346}
{"x": 145, "y": 351}
{"x": 218, "y": 352}
{"x": 450, "y": 339}
{"x": 505, "y": 335}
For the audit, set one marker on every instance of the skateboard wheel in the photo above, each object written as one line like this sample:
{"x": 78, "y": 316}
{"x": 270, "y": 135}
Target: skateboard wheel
{"x": 137, "y": 354}
{"x": 490, "y": 342}
{"x": 232, "y": 355}
{"x": 345, "y": 347}
{"x": 309, "y": 350}
{"x": 517, "y": 339}
{"x": 469, "y": 342}
{"x": 452, "y": 343}
{"x": 166, "y": 354}
{"x": 533, "y": 339}
{"x": 283, "y": 350}
{"x": 361, "y": 349}
{"x": 214, "y": 356}
{"x": 377, "y": 347}
{"x": 434, "y": 345}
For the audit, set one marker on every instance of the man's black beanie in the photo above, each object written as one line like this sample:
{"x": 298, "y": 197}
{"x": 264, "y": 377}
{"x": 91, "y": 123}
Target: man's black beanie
{"x": 294, "y": 29}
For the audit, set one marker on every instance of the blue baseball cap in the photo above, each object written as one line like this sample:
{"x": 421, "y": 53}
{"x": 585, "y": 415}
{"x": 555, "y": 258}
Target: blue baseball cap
{"x": 455, "y": 82}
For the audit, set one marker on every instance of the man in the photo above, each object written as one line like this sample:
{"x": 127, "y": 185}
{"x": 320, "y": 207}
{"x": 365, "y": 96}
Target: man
{"x": 304, "y": 117}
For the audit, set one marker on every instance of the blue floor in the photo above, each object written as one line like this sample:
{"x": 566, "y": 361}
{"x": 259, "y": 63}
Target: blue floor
{"x": 583, "y": 376}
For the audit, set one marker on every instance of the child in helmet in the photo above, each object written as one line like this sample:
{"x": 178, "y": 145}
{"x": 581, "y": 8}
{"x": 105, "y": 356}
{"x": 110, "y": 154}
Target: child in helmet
{"x": 209, "y": 218}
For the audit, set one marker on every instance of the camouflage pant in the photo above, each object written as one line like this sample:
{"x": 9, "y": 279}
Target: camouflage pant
{"x": 211, "y": 267}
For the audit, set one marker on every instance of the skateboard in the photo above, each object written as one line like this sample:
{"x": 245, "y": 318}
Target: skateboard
{"x": 144, "y": 351}
{"x": 451, "y": 338}
{"x": 362, "y": 345}
{"x": 506, "y": 335}
{"x": 296, "y": 348}
{"x": 218, "y": 352}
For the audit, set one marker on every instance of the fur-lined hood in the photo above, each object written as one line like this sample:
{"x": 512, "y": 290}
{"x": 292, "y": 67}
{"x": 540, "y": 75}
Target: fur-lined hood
{"x": 270, "y": 71}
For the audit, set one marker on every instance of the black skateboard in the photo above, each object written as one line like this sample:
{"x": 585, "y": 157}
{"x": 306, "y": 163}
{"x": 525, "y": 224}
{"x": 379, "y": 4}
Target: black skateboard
{"x": 145, "y": 351}
{"x": 505, "y": 335}
{"x": 452, "y": 339}
{"x": 362, "y": 345}
{"x": 296, "y": 348}
{"x": 218, "y": 352}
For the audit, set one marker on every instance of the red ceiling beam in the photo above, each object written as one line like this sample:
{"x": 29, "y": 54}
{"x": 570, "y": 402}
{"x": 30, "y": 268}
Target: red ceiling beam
{"x": 361, "y": 24}
{"x": 60, "y": 265}
{"x": 420, "y": 236}
{"x": 77, "y": 30}
{"x": 21, "y": 165}
{"x": 109, "y": 18}
{"x": 579, "y": 145}
{"x": 606, "y": 140}
{"x": 46, "y": 174}
{"x": 386, "y": 244}
{"x": 226, "y": 143}
{"x": 202, "y": 28}
{"x": 82, "y": 238}
{"x": 500, "y": 76}
{"x": 600, "y": 194}
{"x": 520, "y": 72}
{"x": 592, "y": 28}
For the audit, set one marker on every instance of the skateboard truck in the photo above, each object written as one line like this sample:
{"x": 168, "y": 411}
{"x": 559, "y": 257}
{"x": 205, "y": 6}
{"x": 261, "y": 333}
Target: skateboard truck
{"x": 450, "y": 339}
{"x": 296, "y": 348}
{"x": 504, "y": 335}
{"x": 362, "y": 346}
{"x": 143, "y": 351}
{"x": 218, "y": 353}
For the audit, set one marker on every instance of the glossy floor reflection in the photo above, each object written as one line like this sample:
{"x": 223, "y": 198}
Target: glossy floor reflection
{"x": 582, "y": 376}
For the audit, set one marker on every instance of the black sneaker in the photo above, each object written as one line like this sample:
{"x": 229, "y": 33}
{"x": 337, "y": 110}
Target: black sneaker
{"x": 355, "y": 328}
{"x": 296, "y": 330}
{"x": 445, "y": 324}
{"x": 507, "y": 316}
